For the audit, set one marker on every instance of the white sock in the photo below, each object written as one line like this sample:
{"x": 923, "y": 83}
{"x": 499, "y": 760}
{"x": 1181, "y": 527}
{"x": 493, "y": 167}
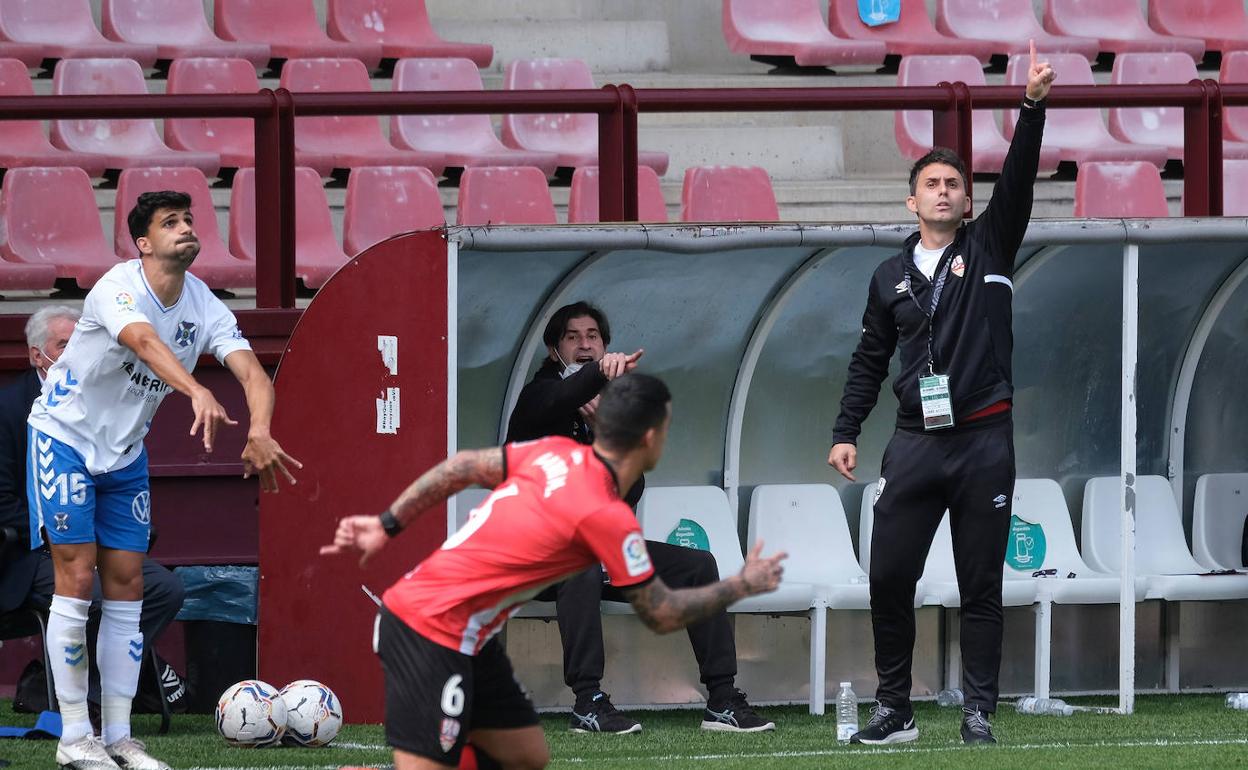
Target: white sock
{"x": 67, "y": 649}
{"x": 119, "y": 653}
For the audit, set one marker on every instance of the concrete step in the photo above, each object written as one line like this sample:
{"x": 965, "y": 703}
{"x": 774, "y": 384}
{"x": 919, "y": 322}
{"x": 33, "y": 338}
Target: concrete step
{"x": 443, "y": 11}
{"x": 608, "y": 46}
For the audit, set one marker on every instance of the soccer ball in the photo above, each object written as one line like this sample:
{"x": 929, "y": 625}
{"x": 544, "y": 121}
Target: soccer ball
{"x": 252, "y": 714}
{"x": 313, "y": 713}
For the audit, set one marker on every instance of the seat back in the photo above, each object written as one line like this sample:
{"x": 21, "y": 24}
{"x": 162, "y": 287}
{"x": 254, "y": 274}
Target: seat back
{"x": 1050, "y": 543}
{"x": 1110, "y": 19}
{"x": 379, "y": 21}
{"x": 1198, "y": 18}
{"x": 1234, "y": 119}
{"x": 1155, "y": 125}
{"x": 387, "y": 200}
{"x": 694, "y": 517}
{"x": 1058, "y": 124}
{"x": 63, "y": 22}
{"x": 107, "y": 77}
{"x": 727, "y": 194}
{"x": 446, "y": 133}
{"x": 583, "y": 197}
{"x": 939, "y": 565}
{"x": 791, "y": 21}
{"x": 212, "y": 76}
{"x": 1235, "y": 188}
{"x": 808, "y": 522}
{"x": 490, "y": 195}
{"x": 1219, "y": 516}
{"x": 266, "y": 20}
{"x": 15, "y": 81}
{"x": 1160, "y": 545}
{"x": 154, "y": 21}
{"x": 135, "y": 181}
{"x": 985, "y": 19}
{"x": 49, "y": 216}
{"x": 1115, "y": 190}
{"x": 912, "y": 24}
{"x": 913, "y": 128}
{"x": 332, "y": 132}
{"x": 314, "y": 229}
{"x": 566, "y": 132}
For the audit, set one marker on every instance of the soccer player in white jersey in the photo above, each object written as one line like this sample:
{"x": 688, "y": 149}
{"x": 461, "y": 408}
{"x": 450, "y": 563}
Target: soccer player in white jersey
{"x": 143, "y": 327}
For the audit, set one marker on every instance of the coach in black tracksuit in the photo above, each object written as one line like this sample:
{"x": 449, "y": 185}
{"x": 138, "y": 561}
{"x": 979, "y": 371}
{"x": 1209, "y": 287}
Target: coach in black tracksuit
{"x": 945, "y": 302}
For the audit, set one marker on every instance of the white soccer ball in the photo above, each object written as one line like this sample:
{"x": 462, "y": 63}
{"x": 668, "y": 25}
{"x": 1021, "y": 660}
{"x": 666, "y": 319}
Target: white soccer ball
{"x": 313, "y": 713}
{"x": 252, "y": 714}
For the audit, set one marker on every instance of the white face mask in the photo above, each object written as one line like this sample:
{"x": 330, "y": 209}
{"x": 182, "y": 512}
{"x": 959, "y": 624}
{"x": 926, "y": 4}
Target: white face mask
{"x": 44, "y": 370}
{"x": 568, "y": 369}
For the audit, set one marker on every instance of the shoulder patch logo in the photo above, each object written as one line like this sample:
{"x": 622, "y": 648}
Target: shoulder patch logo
{"x": 125, "y": 301}
{"x": 903, "y": 286}
{"x": 636, "y": 557}
{"x": 958, "y": 267}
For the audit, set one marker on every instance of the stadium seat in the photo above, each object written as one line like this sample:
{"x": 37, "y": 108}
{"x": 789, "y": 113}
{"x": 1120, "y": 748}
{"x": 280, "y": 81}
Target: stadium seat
{"x": 792, "y": 28}
{"x": 1235, "y": 119}
{"x": 913, "y": 128}
{"x": 1114, "y": 190}
{"x": 1221, "y": 24}
{"x": 1235, "y": 188}
{"x": 177, "y": 28}
{"x": 727, "y": 194}
{"x": 317, "y": 253}
{"x": 344, "y": 141}
{"x": 29, "y": 54}
{"x": 912, "y": 33}
{"x": 571, "y": 136}
{"x": 234, "y": 139}
{"x": 383, "y": 201}
{"x": 290, "y": 29}
{"x": 214, "y": 265}
{"x": 50, "y": 224}
{"x": 65, "y": 29}
{"x": 402, "y": 29}
{"x": 1219, "y": 515}
{"x": 127, "y": 143}
{"x": 463, "y": 140}
{"x": 1077, "y": 135}
{"x": 1011, "y": 25}
{"x": 504, "y": 196}
{"x": 583, "y": 197}
{"x": 1119, "y": 25}
{"x": 22, "y": 142}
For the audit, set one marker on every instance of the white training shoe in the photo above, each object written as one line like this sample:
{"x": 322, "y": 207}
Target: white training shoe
{"x": 84, "y": 754}
{"x": 132, "y": 755}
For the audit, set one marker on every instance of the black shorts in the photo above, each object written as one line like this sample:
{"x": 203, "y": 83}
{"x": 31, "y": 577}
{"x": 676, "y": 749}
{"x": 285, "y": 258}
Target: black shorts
{"x": 436, "y": 696}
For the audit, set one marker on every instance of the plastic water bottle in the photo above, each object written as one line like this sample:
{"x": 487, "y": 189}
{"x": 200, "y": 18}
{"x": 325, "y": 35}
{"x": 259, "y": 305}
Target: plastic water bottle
{"x": 952, "y": 697}
{"x": 1237, "y": 700}
{"x": 846, "y": 713}
{"x": 1043, "y": 706}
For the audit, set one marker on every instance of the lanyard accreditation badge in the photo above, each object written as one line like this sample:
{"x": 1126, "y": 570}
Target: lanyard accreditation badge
{"x": 933, "y": 388}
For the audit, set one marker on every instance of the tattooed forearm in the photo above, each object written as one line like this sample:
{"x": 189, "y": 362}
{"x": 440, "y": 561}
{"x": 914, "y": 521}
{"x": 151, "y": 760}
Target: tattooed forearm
{"x": 664, "y": 609}
{"x": 480, "y": 466}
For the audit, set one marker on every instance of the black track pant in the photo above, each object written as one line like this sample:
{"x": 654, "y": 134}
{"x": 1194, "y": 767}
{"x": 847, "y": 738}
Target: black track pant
{"x": 971, "y": 473}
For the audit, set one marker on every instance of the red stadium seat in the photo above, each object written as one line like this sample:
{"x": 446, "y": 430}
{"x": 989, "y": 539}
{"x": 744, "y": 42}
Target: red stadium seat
{"x": 387, "y": 200}
{"x": 317, "y": 253}
{"x": 344, "y": 141}
{"x": 290, "y": 29}
{"x": 49, "y": 221}
{"x": 1222, "y": 24}
{"x": 126, "y": 143}
{"x": 402, "y": 29}
{"x": 463, "y": 140}
{"x": 912, "y": 33}
{"x": 1011, "y": 24}
{"x": 177, "y": 28}
{"x": 1113, "y": 190}
{"x": 727, "y": 194}
{"x": 572, "y": 136}
{"x": 1119, "y": 25}
{"x": 214, "y": 265}
{"x": 792, "y": 28}
{"x": 913, "y": 128}
{"x": 22, "y": 142}
{"x": 65, "y": 30}
{"x": 1235, "y": 119}
{"x": 504, "y": 196}
{"x": 583, "y": 197}
{"x": 1077, "y": 135}
{"x": 1235, "y": 188}
{"x": 29, "y": 54}
{"x": 234, "y": 139}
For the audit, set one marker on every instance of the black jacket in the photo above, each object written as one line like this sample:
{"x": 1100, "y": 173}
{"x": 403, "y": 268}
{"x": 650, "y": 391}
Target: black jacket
{"x": 973, "y": 339}
{"x": 18, "y": 562}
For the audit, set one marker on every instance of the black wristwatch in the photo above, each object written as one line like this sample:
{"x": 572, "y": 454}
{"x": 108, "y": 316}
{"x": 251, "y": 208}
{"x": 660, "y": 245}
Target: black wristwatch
{"x": 1032, "y": 104}
{"x": 389, "y": 523}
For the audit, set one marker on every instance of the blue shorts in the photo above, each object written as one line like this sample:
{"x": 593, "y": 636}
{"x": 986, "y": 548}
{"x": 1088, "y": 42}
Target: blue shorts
{"x": 72, "y": 506}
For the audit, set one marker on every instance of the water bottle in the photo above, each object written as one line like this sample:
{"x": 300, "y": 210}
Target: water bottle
{"x": 846, "y": 713}
{"x": 1237, "y": 700}
{"x": 952, "y": 697}
{"x": 1043, "y": 706}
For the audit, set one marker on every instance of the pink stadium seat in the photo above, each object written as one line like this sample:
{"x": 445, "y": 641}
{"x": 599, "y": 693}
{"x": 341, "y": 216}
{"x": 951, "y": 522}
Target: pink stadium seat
{"x": 1118, "y": 24}
{"x": 1077, "y": 135}
{"x": 1235, "y": 119}
{"x": 22, "y": 142}
{"x": 214, "y": 265}
{"x": 234, "y": 139}
{"x": 402, "y": 29}
{"x": 504, "y": 196}
{"x": 317, "y": 253}
{"x": 177, "y": 28}
{"x": 727, "y": 194}
{"x": 1235, "y": 188}
{"x": 1113, "y": 190}
{"x": 290, "y": 29}
{"x": 387, "y": 200}
{"x": 123, "y": 143}
{"x": 913, "y": 128}
{"x": 29, "y": 54}
{"x": 572, "y": 136}
{"x": 1222, "y": 24}
{"x": 344, "y": 141}
{"x": 65, "y": 29}
{"x": 771, "y": 28}
{"x": 912, "y": 33}
{"x": 583, "y": 197}
{"x": 49, "y": 220}
{"x": 463, "y": 140}
{"x": 1011, "y": 24}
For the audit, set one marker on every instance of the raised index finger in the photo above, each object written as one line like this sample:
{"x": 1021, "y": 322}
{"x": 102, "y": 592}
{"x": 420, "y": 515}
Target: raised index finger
{"x": 1033, "y": 53}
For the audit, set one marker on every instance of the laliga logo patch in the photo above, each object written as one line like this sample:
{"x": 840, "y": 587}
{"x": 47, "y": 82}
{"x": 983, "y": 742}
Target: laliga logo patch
{"x": 185, "y": 336}
{"x": 124, "y": 300}
{"x": 141, "y": 507}
{"x": 636, "y": 557}
{"x": 958, "y": 267}
{"x": 449, "y": 733}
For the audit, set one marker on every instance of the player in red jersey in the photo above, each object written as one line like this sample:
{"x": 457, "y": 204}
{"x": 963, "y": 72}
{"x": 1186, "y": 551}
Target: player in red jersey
{"x": 555, "y": 510}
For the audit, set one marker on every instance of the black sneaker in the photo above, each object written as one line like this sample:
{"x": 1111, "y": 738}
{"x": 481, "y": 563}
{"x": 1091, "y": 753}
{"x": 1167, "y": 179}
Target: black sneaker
{"x": 732, "y": 713}
{"x": 887, "y": 725}
{"x": 975, "y": 726}
{"x": 598, "y": 715}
